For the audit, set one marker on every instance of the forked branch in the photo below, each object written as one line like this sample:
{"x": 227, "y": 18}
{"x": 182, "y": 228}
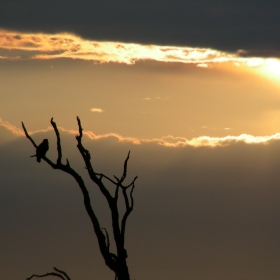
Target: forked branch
{"x": 116, "y": 262}
{"x": 87, "y": 202}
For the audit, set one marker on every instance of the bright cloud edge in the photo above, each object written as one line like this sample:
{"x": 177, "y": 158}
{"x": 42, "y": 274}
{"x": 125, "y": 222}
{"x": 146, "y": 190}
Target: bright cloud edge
{"x": 167, "y": 141}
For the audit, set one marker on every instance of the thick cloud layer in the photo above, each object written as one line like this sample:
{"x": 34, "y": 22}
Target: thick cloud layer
{"x": 226, "y": 25}
{"x": 200, "y": 213}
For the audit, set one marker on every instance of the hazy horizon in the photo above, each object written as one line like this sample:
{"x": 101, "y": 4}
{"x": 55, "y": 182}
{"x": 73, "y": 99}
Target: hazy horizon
{"x": 190, "y": 89}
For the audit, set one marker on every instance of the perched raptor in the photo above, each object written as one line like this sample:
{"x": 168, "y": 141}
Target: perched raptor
{"x": 42, "y": 150}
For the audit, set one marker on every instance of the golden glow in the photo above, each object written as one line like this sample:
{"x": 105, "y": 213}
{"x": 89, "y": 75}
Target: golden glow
{"x": 223, "y": 91}
{"x": 272, "y": 66}
{"x": 41, "y": 46}
{"x": 64, "y": 45}
{"x": 267, "y": 67}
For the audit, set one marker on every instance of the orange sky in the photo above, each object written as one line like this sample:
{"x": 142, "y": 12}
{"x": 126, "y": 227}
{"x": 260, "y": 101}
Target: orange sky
{"x": 213, "y": 201}
{"x": 179, "y": 92}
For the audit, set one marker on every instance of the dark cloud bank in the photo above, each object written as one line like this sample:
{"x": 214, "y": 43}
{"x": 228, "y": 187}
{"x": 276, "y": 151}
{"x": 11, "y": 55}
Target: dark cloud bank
{"x": 226, "y": 25}
{"x": 200, "y": 213}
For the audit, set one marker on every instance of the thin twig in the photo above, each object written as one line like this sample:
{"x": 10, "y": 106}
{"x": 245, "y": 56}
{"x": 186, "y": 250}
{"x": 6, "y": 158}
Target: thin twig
{"x": 80, "y": 127}
{"x": 132, "y": 183}
{"x": 106, "y": 177}
{"x": 51, "y": 274}
{"x": 62, "y": 272}
{"x": 125, "y": 168}
{"x": 27, "y": 135}
{"x": 59, "y": 151}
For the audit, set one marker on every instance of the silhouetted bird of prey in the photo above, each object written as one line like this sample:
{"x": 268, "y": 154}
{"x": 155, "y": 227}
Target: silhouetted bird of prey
{"x": 42, "y": 150}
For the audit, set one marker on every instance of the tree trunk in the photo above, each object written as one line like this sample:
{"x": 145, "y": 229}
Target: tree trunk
{"x": 122, "y": 271}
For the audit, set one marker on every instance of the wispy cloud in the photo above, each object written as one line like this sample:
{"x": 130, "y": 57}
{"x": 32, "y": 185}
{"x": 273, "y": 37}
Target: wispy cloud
{"x": 13, "y": 129}
{"x": 167, "y": 141}
{"x": 18, "y": 131}
{"x": 96, "y": 110}
{"x": 64, "y": 45}
{"x": 203, "y": 65}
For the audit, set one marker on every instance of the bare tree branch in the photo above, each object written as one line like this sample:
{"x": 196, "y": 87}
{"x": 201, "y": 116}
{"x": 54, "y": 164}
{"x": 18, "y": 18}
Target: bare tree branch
{"x": 106, "y": 177}
{"x": 60, "y": 274}
{"x": 117, "y": 192}
{"x": 128, "y": 208}
{"x": 107, "y": 237}
{"x": 125, "y": 168}
{"x": 59, "y": 151}
{"x": 53, "y": 165}
{"x": 66, "y": 168}
{"x": 116, "y": 262}
{"x": 27, "y": 135}
{"x": 131, "y": 197}
{"x": 132, "y": 183}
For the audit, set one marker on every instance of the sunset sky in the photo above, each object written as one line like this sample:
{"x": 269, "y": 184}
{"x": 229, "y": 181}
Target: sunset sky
{"x": 191, "y": 89}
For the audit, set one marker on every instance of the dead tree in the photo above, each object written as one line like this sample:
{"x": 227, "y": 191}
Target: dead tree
{"x": 115, "y": 261}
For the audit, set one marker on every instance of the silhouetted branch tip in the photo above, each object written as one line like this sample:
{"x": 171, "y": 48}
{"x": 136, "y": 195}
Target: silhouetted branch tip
{"x": 28, "y": 136}
{"x": 80, "y": 127}
{"x": 59, "y": 151}
{"x": 62, "y": 272}
{"x": 125, "y": 168}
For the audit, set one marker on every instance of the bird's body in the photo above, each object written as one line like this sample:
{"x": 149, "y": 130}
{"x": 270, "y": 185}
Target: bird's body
{"x": 42, "y": 150}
